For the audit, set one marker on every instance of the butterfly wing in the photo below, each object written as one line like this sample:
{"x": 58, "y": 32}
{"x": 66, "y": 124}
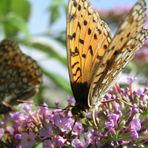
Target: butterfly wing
{"x": 128, "y": 39}
{"x": 20, "y": 76}
{"x": 87, "y": 39}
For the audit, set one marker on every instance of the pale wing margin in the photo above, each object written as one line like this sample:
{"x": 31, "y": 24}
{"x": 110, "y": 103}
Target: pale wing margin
{"x": 128, "y": 39}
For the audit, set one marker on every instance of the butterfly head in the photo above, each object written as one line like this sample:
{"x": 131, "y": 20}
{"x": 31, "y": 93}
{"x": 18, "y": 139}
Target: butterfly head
{"x": 78, "y": 112}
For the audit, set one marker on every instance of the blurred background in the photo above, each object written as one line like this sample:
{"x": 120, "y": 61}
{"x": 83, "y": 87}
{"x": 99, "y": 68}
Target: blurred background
{"x": 39, "y": 27}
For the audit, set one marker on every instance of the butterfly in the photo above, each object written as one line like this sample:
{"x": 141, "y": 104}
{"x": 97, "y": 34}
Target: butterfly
{"x": 20, "y": 76}
{"x": 95, "y": 58}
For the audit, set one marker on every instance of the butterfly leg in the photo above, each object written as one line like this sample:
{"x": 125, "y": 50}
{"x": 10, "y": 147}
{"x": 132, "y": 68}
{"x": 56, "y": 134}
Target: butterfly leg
{"x": 6, "y": 107}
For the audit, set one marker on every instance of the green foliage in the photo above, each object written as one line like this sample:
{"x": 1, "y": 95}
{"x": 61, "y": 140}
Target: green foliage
{"x": 143, "y": 68}
{"x": 14, "y": 16}
{"x": 50, "y": 51}
{"x": 21, "y": 8}
{"x": 54, "y": 10}
{"x": 11, "y": 27}
{"x": 59, "y": 80}
{"x": 4, "y": 9}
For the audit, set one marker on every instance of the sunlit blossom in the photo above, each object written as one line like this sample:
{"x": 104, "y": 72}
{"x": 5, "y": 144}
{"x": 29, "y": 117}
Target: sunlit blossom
{"x": 116, "y": 121}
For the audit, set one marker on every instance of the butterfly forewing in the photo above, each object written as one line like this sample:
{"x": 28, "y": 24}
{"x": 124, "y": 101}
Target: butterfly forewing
{"x": 20, "y": 76}
{"x": 86, "y": 38}
{"x": 128, "y": 39}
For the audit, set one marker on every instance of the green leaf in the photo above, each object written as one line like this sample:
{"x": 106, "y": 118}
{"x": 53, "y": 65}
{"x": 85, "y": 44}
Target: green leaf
{"x": 54, "y": 10}
{"x": 58, "y": 80}
{"x": 21, "y": 8}
{"x": 40, "y": 145}
{"x": 49, "y": 50}
{"x": 14, "y": 24}
{"x": 4, "y": 7}
{"x": 16, "y": 7}
{"x": 60, "y": 37}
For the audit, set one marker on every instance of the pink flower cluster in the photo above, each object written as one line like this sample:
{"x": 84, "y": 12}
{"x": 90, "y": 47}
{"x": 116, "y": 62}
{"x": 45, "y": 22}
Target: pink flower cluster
{"x": 121, "y": 121}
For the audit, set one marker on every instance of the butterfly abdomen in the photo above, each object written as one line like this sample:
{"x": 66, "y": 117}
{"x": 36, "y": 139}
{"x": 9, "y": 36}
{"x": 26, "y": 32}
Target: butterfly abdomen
{"x": 81, "y": 95}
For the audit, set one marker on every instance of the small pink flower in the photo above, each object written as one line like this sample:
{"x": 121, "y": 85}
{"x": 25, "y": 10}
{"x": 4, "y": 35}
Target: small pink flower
{"x": 46, "y": 132}
{"x": 78, "y": 129}
{"x": 114, "y": 119}
{"x": 60, "y": 141}
{"x": 71, "y": 101}
{"x": 28, "y": 140}
{"x": 134, "y": 134}
{"x": 63, "y": 123}
{"x": 135, "y": 124}
{"x": 10, "y": 130}
{"x": 76, "y": 143}
{"x": 48, "y": 144}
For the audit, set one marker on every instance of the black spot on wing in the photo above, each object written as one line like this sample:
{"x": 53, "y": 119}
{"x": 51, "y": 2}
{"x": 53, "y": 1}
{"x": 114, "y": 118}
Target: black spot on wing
{"x": 90, "y": 50}
{"x": 84, "y": 56}
{"x": 89, "y": 31}
{"x": 70, "y": 37}
{"x": 75, "y": 64}
{"x": 75, "y": 52}
{"x": 79, "y": 25}
{"x": 85, "y": 22}
{"x": 77, "y": 70}
{"x": 81, "y": 41}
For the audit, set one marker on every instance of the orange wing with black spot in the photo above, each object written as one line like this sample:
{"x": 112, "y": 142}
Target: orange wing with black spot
{"x": 128, "y": 39}
{"x": 87, "y": 39}
{"x": 20, "y": 76}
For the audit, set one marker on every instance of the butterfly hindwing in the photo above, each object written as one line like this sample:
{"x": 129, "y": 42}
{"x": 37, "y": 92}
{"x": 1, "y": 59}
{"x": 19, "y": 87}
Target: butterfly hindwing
{"x": 127, "y": 40}
{"x": 20, "y": 75}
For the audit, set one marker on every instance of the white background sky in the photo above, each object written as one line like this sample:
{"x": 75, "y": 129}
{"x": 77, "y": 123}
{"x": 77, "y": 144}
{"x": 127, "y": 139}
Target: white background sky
{"x": 39, "y": 17}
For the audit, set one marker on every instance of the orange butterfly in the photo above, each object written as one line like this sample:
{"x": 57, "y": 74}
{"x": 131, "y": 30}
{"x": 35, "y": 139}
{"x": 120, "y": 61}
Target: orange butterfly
{"x": 94, "y": 57}
{"x": 20, "y": 76}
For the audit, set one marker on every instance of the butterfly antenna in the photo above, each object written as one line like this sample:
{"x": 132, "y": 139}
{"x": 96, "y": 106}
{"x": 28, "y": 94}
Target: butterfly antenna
{"x": 8, "y": 106}
{"x": 68, "y": 108}
{"x": 110, "y": 100}
{"x": 124, "y": 101}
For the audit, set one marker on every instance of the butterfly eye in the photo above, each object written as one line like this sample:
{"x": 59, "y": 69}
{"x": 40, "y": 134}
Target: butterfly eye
{"x": 20, "y": 76}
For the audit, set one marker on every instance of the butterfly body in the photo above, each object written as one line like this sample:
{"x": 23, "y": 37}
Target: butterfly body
{"x": 95, "y": 58}
{"x": 80, "y": 97}
{"x": 20, "y": 76}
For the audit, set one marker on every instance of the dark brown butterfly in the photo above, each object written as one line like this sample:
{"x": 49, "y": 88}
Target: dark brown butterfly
{"x": 20, "y": 76}
{"x": 94, "y": 57}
